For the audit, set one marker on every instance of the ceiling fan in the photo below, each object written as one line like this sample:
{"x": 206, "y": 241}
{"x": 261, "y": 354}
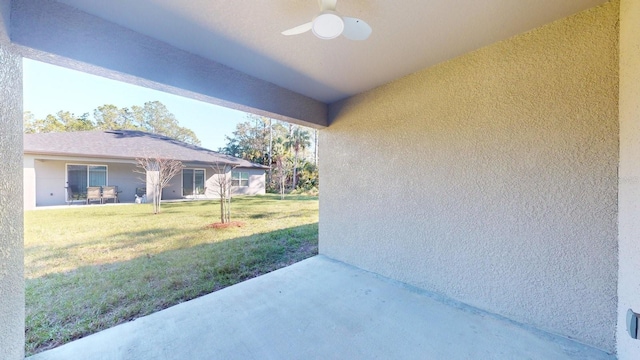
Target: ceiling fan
{"x": 329, "y": 24}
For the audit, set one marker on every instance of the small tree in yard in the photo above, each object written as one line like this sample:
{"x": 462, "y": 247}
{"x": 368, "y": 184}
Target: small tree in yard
{"x": 158, "y": 172}
{"x": 281, "y": 168}
{"x": 222, "y": 182}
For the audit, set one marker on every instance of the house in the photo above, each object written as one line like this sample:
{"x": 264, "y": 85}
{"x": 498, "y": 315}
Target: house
{"x": 54, "y": 162}
{"x": 486, "y": 151}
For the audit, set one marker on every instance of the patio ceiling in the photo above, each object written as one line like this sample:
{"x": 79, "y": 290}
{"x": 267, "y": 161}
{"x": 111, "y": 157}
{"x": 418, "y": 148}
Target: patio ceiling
{"x": 407, "y": 35}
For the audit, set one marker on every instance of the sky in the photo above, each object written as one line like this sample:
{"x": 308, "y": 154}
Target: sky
{"x": 49, "y": 89}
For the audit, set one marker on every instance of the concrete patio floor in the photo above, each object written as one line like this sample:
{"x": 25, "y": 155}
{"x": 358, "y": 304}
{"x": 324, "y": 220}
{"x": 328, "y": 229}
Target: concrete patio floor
{"x": 321, "y": 309}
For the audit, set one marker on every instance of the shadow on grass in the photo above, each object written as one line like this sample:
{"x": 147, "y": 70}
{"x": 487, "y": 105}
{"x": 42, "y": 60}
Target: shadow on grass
{"x": 62, "y": 307}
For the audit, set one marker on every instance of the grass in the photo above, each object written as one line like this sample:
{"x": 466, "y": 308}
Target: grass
{"x": 88, "y": 268}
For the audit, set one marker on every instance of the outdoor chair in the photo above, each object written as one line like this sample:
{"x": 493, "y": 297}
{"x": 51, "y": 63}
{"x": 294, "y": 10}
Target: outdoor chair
{"x": 72, "y": 194}
{"x": 94, "y": 193}
{"x": 109, "y": 192}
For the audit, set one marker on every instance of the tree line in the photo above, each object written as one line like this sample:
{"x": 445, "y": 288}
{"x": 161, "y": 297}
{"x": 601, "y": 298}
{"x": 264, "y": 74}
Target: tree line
{"x": 290, "y": 151}
{"x": 152, "y": 117}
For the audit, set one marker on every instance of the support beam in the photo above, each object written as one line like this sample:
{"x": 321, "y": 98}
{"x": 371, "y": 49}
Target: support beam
{"x": 11, "y": 213}
{"x": 62, "y": 35}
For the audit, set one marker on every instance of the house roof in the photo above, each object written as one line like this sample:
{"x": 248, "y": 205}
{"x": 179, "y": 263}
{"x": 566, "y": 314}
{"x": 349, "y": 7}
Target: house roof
{"x": 125, "y": 144}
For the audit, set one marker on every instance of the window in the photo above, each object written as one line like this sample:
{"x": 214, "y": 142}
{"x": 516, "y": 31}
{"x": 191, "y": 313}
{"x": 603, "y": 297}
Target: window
{"x": 239, "y": 178}
{"x": 79, "y": 177}
{"x": 192, "y": 182}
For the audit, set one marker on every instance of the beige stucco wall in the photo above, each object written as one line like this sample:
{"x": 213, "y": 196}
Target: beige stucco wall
{"x": 490, "y": 179}
{"x": 629, "y": 181}
{"x": 11, "y": 218}
{"x": 29, "y": 182}
{"x": 45, "y": 181}
{"x": 256, "y": 183}
{"x": 50, "y": 182}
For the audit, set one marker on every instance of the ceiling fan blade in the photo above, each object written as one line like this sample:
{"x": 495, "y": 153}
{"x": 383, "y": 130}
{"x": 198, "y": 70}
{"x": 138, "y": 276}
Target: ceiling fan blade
{"x": 355, "y": 29}
{"x": 298, "y": 29}
{"x": 327, "y": 5}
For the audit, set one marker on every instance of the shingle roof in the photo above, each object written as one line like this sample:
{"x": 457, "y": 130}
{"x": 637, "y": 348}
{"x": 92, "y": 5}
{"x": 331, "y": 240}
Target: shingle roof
{"x": 125, "y": 144}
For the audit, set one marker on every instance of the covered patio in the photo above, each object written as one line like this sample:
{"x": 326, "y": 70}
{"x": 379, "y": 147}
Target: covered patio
{"x": 484, "y": 151}
{"x": 322, "y": 309}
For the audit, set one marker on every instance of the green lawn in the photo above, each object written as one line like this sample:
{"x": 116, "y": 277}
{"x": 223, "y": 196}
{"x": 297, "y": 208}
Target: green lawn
{"x": 88, "y": 268}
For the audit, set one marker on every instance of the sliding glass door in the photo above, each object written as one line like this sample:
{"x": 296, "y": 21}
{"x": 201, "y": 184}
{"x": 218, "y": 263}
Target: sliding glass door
{"x": 192, "y": 182}
{"x": 79, "y": 177}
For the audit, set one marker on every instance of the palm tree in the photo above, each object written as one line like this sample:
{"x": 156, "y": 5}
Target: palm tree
{"x": 298, "y": 140}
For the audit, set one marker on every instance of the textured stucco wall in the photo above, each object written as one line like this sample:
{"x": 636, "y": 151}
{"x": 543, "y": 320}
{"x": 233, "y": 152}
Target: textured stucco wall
{"x": 50, "y": 182}
{"x": 11, "y": 220}
{"x": 490, "y": 179}
{"x": 257, "y": 182}
{"x": 29, "y": 182}
{"x": 5, "y": 20}
{"x": 50, "y": 179}
{"x": 56, "y": 33}
{"x": 629, "y": 176}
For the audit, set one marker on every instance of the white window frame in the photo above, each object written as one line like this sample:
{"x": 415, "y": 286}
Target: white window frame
{"x": 66, "y": 174}
{"x": 239, "y": 178}
{"x": 193, "y": 181}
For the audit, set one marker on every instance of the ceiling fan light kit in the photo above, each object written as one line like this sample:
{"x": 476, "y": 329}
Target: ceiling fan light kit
{"x": 329, "y": 25}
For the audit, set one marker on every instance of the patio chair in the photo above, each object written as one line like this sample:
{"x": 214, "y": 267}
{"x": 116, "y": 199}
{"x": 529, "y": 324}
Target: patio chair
{"x": 110, "y": 192}
{"x": 72, "y": 194}
{"x": 94, "y": 193}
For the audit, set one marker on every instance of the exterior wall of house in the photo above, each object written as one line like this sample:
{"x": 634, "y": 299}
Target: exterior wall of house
{"x": 213, "y": 185}
{"x": 256, "y": 183}
{"x": 629, "y": 176}
{"x": 174, "y": 190}
{"x": 11, "y": 198}
{"x": 50, "y": 182}
{"x": 490, "y": 179}
{"x": 47, "y": 175}
{"x": 50, "y": 179}
{"x": 123, "y": 176}
{"x": 29, "y": 181}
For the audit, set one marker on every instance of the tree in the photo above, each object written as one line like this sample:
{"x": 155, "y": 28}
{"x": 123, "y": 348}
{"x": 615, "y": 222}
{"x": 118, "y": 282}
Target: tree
{"x": 252, "y": 139}
{"x": 110, "y": 117}
{"x": 158, "y": 172}
{"x": 60, "y": 122}
{"x": 308, "y": 178}
{"x": 28, "y": 122}
{"x": 256, "y": 140}
{"x": 298, "y": 140}
{"x": 222, "y": 182}
{"x": 153, "y": 117}
{"x": 282, "y": 165}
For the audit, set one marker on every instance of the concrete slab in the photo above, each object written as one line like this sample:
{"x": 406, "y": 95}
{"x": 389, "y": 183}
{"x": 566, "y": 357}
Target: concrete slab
{"x": 321, "y": 309}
